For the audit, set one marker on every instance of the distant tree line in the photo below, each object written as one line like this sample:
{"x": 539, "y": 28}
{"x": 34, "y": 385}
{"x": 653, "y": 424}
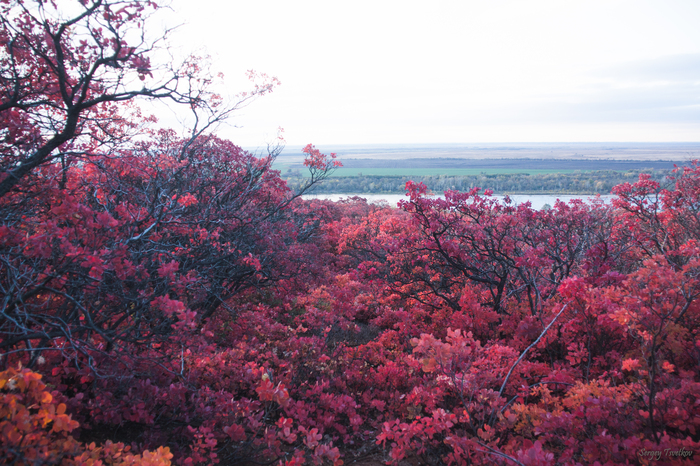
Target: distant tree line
{"x": 579, "y": 182}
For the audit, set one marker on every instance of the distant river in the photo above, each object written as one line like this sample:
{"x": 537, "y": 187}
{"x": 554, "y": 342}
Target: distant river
{"x": 537, "y": 200}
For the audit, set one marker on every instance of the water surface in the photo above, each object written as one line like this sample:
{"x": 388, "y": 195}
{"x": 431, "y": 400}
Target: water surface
{"x": 536, "y": 200}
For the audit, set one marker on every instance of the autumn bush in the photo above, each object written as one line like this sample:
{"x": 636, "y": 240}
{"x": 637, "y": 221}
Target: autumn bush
{"x": 170, "y": 299}
{"x": 35, "y": 429}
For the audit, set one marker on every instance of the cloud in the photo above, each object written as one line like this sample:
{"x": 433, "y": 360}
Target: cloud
{"x": 661, "y": 90}
{"x": 671, "y": 68}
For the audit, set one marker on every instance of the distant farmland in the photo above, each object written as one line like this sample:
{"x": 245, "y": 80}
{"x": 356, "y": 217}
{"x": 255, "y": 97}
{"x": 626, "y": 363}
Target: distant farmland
{"x": 524, "y": 176}
{"x": 462, "y": 167}
{"x": 373, "y": 171}
{"x": 516, "y": 175}
{"x": 465, "y": 155}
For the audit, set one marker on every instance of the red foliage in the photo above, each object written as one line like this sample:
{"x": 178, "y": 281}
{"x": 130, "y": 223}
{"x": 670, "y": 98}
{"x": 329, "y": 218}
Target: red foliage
{"x": 34, "y": 429}
{"x": 179, "y": 300}
{"x": 254, "y": 326}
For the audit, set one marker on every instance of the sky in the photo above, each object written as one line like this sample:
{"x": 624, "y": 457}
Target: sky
{"x": 370, "y": 72}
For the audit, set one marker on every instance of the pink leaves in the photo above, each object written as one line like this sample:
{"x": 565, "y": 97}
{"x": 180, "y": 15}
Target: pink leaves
{"x": 573, "y": 288}
{"x": 168, "y": 306}
{"x": 172, "y": 307}
{"x": 318, "y": 161}
{"x": 253, "y": 262}
{"x": 96, "y": 266}
{"x": 235, "y": 432}
{"x": 142, "y": 65}
{"x": 203, "y": 450}
{"x": 187, "y": 200}
{"x": 286, "y": 426}
{"x": 630, "y": 364}
{"x": 311, "y": 437}
{"x": 447, "y": 355}
{"x": 105, "y": 220}
{"x": 168, "y": 270}
{"x": 407, "y": 438}
{"x": 264, "y": 84}
{"x": 267, "y": 391}
{"x": 532, "y": 454}
{"x": 415, "y": 190}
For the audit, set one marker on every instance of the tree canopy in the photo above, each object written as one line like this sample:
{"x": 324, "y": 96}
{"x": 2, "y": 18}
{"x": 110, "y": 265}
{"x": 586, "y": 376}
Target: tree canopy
{"x": 168, "y": 299}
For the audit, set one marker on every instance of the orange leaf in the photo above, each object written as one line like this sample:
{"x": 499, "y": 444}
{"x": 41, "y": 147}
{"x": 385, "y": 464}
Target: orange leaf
{"x": 429, "y": 364}
{"x": 45, "y": 397}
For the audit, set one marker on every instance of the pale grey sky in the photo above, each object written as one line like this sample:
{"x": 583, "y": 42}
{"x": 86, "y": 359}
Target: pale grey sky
{"x": 456, "y": 71}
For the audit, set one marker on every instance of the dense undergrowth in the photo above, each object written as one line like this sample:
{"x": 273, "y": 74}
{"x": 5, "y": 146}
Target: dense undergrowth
{"x": 169, "y": 300}
{"x": 272, "y": 329}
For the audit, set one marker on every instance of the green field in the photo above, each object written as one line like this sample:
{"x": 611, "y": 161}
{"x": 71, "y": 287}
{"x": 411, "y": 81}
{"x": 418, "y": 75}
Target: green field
{"x": 433, "y": 171}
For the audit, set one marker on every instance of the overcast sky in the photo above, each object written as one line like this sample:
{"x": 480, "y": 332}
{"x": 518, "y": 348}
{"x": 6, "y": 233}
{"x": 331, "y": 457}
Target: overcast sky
{"x": 456, "y": 71}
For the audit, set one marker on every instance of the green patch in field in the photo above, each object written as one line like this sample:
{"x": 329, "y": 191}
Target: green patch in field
{"x": 437, "y": 171}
